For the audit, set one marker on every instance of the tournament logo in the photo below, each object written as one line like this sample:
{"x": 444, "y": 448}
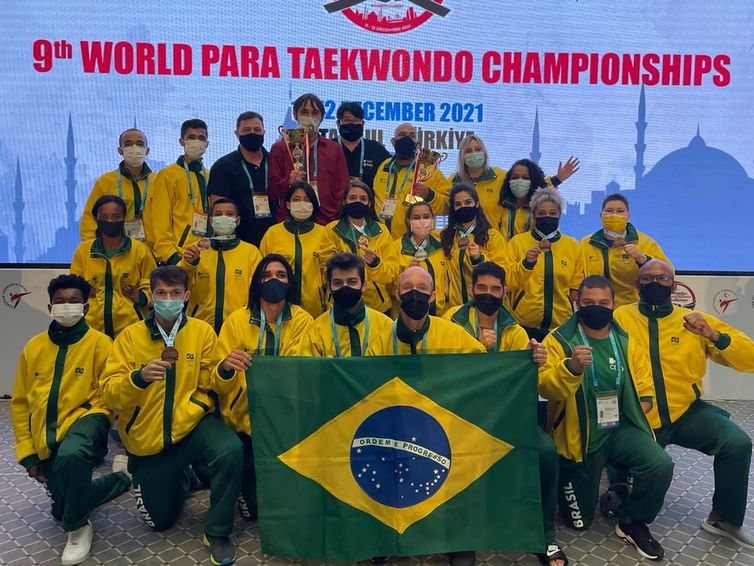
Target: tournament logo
{"x": 388, "y": 16}
{"x": 683, "y": 296}
{"x": 13, "y": 293}
{"x": 400, "y": 456}
{"x": 724, "y": 302}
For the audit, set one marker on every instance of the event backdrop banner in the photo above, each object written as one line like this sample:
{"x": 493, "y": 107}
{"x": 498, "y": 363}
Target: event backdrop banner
{"x": 653, "y": 96}
{"x": 23, "y": 313}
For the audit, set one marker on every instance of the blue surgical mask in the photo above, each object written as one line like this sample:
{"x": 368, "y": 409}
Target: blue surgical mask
{"x": 474, "y": 160}
{"x": 520, "y": 187}
{"x": 168, "y": 309}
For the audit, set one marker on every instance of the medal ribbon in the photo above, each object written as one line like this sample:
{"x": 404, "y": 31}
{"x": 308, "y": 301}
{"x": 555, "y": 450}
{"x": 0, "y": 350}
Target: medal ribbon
{"x": 262, "y": 331}
{"x": 336, "y": 341}
{"x": 170, "y": 339}
{"x": 395, "y": 339}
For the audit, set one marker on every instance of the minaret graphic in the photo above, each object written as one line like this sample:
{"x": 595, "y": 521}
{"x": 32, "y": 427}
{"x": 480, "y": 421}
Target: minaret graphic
{"x": 535, "y": 153}
{"x": 641, "y": 126}
{"x": 18, "y": 207}
{"x": 70, "y": 177}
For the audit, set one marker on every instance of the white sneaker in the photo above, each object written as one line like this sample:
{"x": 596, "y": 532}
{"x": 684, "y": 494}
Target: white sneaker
{"x": 78, "y": 546}
{"x": 724, "y": 529}
{"x": 120, "y": 464}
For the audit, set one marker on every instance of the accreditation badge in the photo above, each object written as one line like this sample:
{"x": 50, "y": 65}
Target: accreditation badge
{"x": 388, "y": 208}
{"x": 135, "y": 229}
{"x": 607, "y": 410}
{"x": 261, "y": 206}
{"x": 199, "y": 224}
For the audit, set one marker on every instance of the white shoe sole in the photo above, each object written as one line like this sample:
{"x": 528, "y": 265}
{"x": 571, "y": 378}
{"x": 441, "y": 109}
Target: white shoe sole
{"x": 710, "y": 528}
{"x": 620, "y": 534}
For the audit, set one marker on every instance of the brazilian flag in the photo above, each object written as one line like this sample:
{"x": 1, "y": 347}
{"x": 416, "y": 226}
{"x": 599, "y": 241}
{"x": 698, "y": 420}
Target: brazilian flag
{"x": 396, "y": 455}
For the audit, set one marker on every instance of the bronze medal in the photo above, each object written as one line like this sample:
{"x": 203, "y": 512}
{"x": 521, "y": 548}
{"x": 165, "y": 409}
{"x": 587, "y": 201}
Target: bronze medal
{"x": 169, "y": 354}
{"x": 463, "y": 242}
{"x": 204, "y": 244}
{"x": 619, "y": 242}
{"x": 363, "y": 242}
{"x": 545, "y": 245}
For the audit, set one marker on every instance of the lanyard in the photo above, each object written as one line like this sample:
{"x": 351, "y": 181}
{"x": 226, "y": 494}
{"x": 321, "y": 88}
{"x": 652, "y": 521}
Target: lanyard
{"x": 137, "y": 213}
{"x": 478, "y": 332}
{"x": 336, "y": 341}
{"x": 248, "y": 175}
{"x": 548, "y": 236}
{"x": 263, "y": 330}
{"x": 170, "y": 339}
{"x": 191, "y": 188}
{"x": 616, "y": 354}
{"x": 464, "y": 233}
{"x": 420, "y": 246}
{"x": 395, "y": 339}
{"x": 390, "y": 189}
{"x": 361, "y": 160}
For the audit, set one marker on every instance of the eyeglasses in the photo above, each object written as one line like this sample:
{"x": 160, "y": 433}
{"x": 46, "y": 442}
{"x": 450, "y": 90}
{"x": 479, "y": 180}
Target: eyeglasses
{"x": 664, "y": 279}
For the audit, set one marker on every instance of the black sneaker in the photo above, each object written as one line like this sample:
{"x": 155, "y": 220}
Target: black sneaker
{"x": 221, "y": 550}
{"x": 612, "y": 500}
{"x": 379, "y": 559}
{"x": 462, "y": 558}
{"x": 638, "y": 534}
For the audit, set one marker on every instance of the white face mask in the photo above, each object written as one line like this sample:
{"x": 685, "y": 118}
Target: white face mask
{"x": 421, "y": 227}
{"x": 134, "y": 155}
{"x": 306, "y": 121}
{"x": 520, "y": 187}
{"x": 67, "y": 314}
{"x": 301, "y": 210}
{"x": 223, "y": 225}
{"x": 194, "y": 148}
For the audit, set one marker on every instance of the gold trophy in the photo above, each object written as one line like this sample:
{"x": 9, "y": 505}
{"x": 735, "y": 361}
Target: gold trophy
{"x": 427, "y": 161}
{"x": 294, "y": 138}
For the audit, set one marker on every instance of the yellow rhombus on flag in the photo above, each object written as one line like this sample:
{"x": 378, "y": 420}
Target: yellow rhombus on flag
{"x": 329, "y": 456}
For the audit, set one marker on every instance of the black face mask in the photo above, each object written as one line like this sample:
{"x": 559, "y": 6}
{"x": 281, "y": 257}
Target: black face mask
{"x": 110, "y": 229}
{"x": 595, "y": 316}
{"x": 252, "y": 142}
{"x": 655, "y": 293}
{"x": 488, "y": 304}
{"x": 346, "y": 297}
{"x": 547, "y": 224}
{"x": 356, "y": 209}
{"x": 405, "y": 147}
{"x": 415, "y": 304}
{"x": 465, "y": 213}
{"x": 274, "y": 290}
{"x": 351, "y": 132}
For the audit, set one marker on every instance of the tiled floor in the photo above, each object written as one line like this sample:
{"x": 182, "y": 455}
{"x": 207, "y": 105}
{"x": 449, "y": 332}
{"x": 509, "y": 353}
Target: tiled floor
{"x": 28, "y": 534}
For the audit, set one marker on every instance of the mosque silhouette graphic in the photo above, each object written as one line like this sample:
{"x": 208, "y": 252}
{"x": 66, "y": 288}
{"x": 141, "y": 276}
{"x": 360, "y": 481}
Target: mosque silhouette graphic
{"x": 690, "y": 201}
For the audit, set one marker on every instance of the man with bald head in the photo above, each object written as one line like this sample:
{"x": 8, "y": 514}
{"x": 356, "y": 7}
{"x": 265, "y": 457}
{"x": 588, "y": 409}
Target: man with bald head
{"x": 130, "y": 181}
{"x": 679, "y": 341}
{"x": 394, "y": 180}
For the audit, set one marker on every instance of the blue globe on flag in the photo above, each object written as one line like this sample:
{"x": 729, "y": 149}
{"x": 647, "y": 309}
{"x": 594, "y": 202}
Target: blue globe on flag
{"x": 400, "y": 456}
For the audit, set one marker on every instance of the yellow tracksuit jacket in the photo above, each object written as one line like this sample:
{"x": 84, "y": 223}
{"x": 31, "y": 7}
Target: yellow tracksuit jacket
{"x": 600, "y": 258}
{"x": 155, "y": 415}
{"x": 394, "y": 181}
{"x": 567, "y": 412}
{"x": 57, "y": 383}
{"x": 436, "y": 264}
{"x": 437, "y": 336}
{"x": 109, "y": 310}
{"x": 341, "y": 237}
{"x": 510, "y": 336}
{"x": 460, "y": 264}
{"x": 220, "y": 279}
{"x": 118, "y": 182}
{"x": 170, "y": 210}
{"x": 241, "y": 332}
{"x": 300, "y": 243}
{"x": 679, "y": 357}
{"x": 318, "y": 340}
{"x": 540, "y": 292}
